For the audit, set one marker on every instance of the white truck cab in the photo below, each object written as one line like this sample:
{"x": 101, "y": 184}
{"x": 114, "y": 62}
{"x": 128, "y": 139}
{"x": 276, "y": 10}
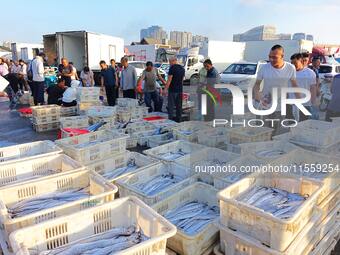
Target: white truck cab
{"x": 192, "y": 63}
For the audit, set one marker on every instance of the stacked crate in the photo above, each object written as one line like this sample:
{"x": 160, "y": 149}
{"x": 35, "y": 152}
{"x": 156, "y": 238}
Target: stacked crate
{"x": 45, "y": 117}
{"x": 86, "y": 98}
{"x": 129, "y": 109}
{"x": 71, "y": 126}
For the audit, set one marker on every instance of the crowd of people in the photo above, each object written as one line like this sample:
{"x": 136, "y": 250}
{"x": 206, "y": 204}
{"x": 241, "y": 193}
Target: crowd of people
{"x": 123, "y": 78}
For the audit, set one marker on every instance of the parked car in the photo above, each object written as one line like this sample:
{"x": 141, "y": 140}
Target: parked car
{"x": 328, "y": 70}
{"x": 139, "y": 65}
{"x": 241, "y": 74}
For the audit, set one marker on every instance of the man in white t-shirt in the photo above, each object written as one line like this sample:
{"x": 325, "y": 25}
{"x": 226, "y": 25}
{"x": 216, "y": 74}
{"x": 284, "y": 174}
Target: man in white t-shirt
{"x": 306, "y": 79}
{"x": 275, "y": 74}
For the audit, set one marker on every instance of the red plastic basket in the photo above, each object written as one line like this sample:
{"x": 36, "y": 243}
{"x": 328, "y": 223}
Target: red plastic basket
{"x": 72, "y": 132}
{"x": 25, "y": 110}
{"x": 153, "y": 118}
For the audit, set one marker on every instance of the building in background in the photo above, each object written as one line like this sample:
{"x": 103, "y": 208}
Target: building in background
{"x": 183, "y": 39}
{"x": 155, "y": 32}
{"x": 199, "y": 40}
{"x": 25, "y": 51}
{"x": 303, "y": 36}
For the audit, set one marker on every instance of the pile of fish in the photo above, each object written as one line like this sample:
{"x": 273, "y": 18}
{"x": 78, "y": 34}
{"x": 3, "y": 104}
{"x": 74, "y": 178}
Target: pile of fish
{"x": 270, "y": 153}
{"x": 159, "y": 183}
{"x": 45, "y": 201}
{"x": 278, "y": 202}
{"x": 96, "y": 126}
{"x": 192, "y": 217}
{"x": 110, "y": 242}
{"x": 114, "y": 173}
{"x": 172, "y": 155}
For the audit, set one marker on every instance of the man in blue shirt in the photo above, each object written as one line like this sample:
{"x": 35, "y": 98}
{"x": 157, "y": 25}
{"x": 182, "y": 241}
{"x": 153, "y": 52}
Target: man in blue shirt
{"x": 333, "y": 108}
{"x": 174, "y": 88}
{"x": 109, "y": 81}
{"x": 213, "y": 77}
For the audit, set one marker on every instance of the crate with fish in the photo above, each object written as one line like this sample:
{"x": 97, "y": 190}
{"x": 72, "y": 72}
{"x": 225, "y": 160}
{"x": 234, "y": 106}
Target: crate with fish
{"x": 270, "y": 207}
{"x": 68, "y": 111}
{"x": 88, "y": 94}
{"x": 208, "y": 162}
{"x": 127, "y": 102}
{"x": 121, "y": 165}
{"x": 187, "y": 130}
{"x": 155, "y": 183}
{"x": 46, "y": 127}
{"x": 124, "y": 226}
{"x": 101, "y": 111}
{"x": 158, "y": 140}
{"x": 25, "y": 170}
{"x": 74, "y": 122}
{"x": 139, "y": 112}
{"x": 123, "y": 116}
{"x": 82, "y": 107}
{"x": 315, "y": 166}
{"x": 236, "y": 170}
{"x": 29, "y": 203}
{"x": 45, "y": 110}
{"x": 316, "y": 132}
{"x": 93, "y": 146}
{"x": 268, "y": 151}
{"x": 174, "y": 150}
{"x": 213, "y": 137}
{"x": 235, "y": 242}
{"x": 193, "y": 210}
{"x": 139, "y": 126}
{"x": 27, "y": 151}
{"x": 239, "y": 135}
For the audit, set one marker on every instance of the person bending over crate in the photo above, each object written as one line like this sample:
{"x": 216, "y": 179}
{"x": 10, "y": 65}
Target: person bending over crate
{"x": 55, "y": 92}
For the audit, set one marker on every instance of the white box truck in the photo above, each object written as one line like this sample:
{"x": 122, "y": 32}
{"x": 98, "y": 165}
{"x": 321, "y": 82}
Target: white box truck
{"x": 259, "y": 50}
{"x": 25, "y": 51}
{"x": 142, "y": 52}
{"x": 83, "y": 48}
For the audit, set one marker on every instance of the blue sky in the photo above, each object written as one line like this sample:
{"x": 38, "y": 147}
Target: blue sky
{"x": 27, "y": 21}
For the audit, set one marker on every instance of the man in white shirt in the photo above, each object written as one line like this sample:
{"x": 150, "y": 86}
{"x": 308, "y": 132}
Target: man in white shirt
{"x": 15, "y": 68}
{"x": 275, "y": 74}
{"x": 23, "y": 75}
{"x": 306, "y": 78}
{"x": 37, "y": 68}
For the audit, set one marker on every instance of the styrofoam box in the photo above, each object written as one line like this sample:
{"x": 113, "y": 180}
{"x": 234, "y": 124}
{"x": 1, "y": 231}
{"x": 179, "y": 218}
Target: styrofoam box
{"x": 110, "y": 143}
{"x": 26, "y": 151}
{"x": 74, "y": 122}
{"x": 250, "y": 134}
{"x": 24, "y": 170}
{"x": 202, "y": 161}
{"x": 236, "y": 242}
{"x": 182, "y": 242}
{"x": 319, "y": 133}
{"x": 241, "y": 165}
{"x": 127, "y": 102}
{"x": 192, "y": 126}
{"x": 255, "y": 148}
{"x": 121, "y": 160}
{"x": 45, "y": 110}
{"x": 88, "y": 94}
{"x": 128, "y": 185}
{"x": 100, "y": 190}
{"x": 46, "y": 126}
{"x": 82, "y": 225}
{"x": 274, "y": 232}
{"x": 213, "y": 137}
{"x": 184, "y": 146}
{"x": 331, "y": 178}
{"x": 157, "y": 140}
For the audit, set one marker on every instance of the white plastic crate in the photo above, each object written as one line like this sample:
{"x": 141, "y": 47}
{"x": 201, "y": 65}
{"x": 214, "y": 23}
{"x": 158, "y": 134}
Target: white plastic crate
{"x": 139, "y": 126}
{"x": 131, "y": 142}
{"x": 46, "y": 127}
{"x": 143, "y": 136}
{"x": 336, "y": 120}
{"x": 83, "y": 107}
{"x": 236, "y": 148}
{"x": 236, "y": 242}
{"x": 250, "y": 134}
{"x": 138, "y": 113}
{"x": 45, "y": 119}
{"x": 274, "y": 232}
{"x": 24, "y": 170}
{"x": 183, "y": 243}
{"x": 330, "y": 203}
{"x": 123, "y": 116}
{"x": 27, "y": 151}
{"x": 127, "y": 102}
{"x": 213, "y": 137}
{"x": 184, "y": 147}
{"x": 78, "y": 226}
{"x": 88, "y": 94}
{"x": 257, "y": 148}
{"x": 93, "y": 146}
{"x": 315, "y": 132}
{"x": 239, "y": 168}
{"x": 68, "y": 111}
{"x": 74, "y": 122}
{"x": 311, "y": 162}
{"x": 207, "y": 160}
{"x": 100, "y": 192}
{"x": 45, "y": 110}
{"x": 101, "y": 111}
{"x": 158, "y": 140}
{"x": 121, "y": 160}
{"x": 188, "y": 130}
{"x": 128, "y": 185}
{"x": 158, "y": 114}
